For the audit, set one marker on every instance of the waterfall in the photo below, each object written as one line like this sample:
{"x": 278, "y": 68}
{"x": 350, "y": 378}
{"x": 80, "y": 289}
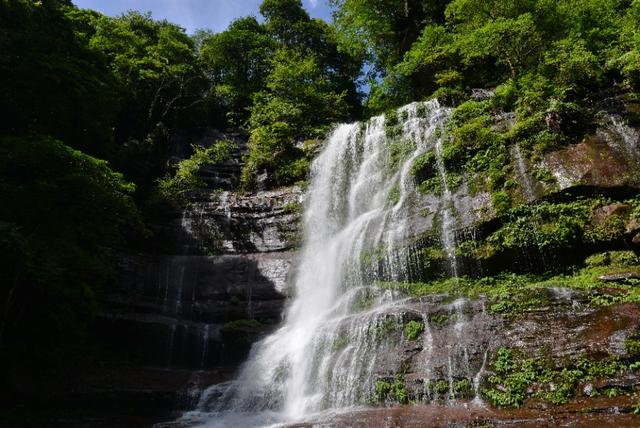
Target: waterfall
{"x": 357, "y": 221}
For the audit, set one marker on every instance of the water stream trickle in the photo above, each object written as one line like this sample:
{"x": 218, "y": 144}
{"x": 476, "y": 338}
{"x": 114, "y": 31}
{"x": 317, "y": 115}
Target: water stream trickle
{"x": 447, "y": 235}
{"x": 523, "y": 175}
{"x": 358, "y": 213}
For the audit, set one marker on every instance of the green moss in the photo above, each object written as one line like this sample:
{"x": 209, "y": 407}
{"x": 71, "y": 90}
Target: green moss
{"x": 544, "y": 175}
{"x": 431, "y": 186}
{"x": 386, "y": 327}
{"x": 548, "y": 227}
{"x": 440, "y": 320}
{"x": 394, "y": 391}
{"x": 501, "y": 202}
{"x": 463, "y": 388}
{"x": 373, "y": 256}
{"x": 424, "y": 166}
{"x": 432, "y": 259}
{"x": 441, "y": 387}
{"x": 294, "y": 207}
{"x": 391, "y": 123}
{"x": 632, "y": 347}
{"x": 510, "y": 294}
{"x": 413, "y": 329}
{"x": 517, "y": 378}
{"x": 394, "y": 195}
{"x": 399, "y": 150}
{"x": 454, "y": 180}
{"x": 340, "y": 342}
{"x": 364, "y": 302}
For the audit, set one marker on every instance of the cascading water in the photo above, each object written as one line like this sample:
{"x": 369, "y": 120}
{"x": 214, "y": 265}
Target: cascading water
{"x": 448, "y": 221}
{"x": 357, "y": 220}
{"x": 523, "y": 175}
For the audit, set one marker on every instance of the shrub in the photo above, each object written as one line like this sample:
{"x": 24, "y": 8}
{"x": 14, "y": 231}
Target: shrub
{"x": 413, "y": 329}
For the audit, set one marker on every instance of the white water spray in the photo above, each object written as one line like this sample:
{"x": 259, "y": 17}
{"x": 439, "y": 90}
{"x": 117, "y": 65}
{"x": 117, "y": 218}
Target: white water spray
{"x": 357, "y": 219}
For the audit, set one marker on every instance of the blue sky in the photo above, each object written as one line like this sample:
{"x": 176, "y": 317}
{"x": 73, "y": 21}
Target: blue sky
{"x": 196, "y": 14}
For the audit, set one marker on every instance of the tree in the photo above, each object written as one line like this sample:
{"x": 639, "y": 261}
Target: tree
{"x": 62, "y": 216}
{"x": 311, "y": 84}
{"x": 50, "y": 82}
{"x": 159, "y": 82}
{"x": 299, "y": 102}
{"x": 625, "y": 55}
{"x": 383, "y": 30}
{"x": 237, "y": 62}
{"x": 286, "y": 21}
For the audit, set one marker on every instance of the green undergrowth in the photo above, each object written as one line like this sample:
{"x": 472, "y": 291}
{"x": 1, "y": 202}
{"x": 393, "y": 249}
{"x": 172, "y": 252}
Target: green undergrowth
{"x": 550, "y": 226}
{"x": 480, "y": 137}
{"x": 542, "y": 231}
{"x": 516, "y": 378}
{"x": 392, "y": 390}
{"x": 413, "y": 329}
{"x": 511, "y": 294}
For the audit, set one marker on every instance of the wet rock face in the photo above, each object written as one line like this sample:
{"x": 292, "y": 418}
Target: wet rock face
{"x": 232, "y": 223}
{"x": 453, "y": 356}
{"x": 595, "y": 163}
{"x": 220, "y": 280}
{"x": 174, "y": 310}
{"x": 608, "y": 161}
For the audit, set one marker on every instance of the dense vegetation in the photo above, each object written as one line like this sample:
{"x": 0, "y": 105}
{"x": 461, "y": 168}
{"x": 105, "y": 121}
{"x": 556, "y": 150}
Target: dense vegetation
{"x": 90, "y": 104}
{"x": 538, "y": 50}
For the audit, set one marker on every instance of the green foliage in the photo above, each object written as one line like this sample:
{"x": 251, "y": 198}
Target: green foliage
{"x": 632, "y": 347}
{"x": 625, "y": 55}
{"x": 340, "y": 342}
{"x": 373, "y": 256}
{"x": 441, "y": 387}
{"x": 463, "y": 388}
{"x": 549, "y": 226}
{"x": 423, "y": 167}
{"x": 50, "y": 81}
{"x": 237, "y": 62}
{"x": 413, "y": 329}
{"x": 517, "y": 378}
{"x": 294, "y": 207}
{"x": 419, "y": 49}
{"x": 300, "y": 103}
{"x": 159, "y": 83}
{"x": 511, "y": 294}
{"x": 394, "y": 391}
{"x": 62, "y": 216}
{"x": 399, "y": 149}
{"x": 440, "y": 320}
{"x": 501, "y": 202}
{"x": 185, "y": 180}
{"x": 613, "y": 258}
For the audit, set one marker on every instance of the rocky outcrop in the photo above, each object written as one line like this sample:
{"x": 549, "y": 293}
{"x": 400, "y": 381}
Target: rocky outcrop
{"x": 225, "y": 284}
{"x": 607, "y": 161}
{"x": 184, "y": 315}
{"x": 450, "y": 361}
{"x": 171, "y": 310}
{"x": 234, "y": 223}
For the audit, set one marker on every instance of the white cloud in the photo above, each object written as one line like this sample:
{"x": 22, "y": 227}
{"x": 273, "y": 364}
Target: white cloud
{"x": 313, "y": 3}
